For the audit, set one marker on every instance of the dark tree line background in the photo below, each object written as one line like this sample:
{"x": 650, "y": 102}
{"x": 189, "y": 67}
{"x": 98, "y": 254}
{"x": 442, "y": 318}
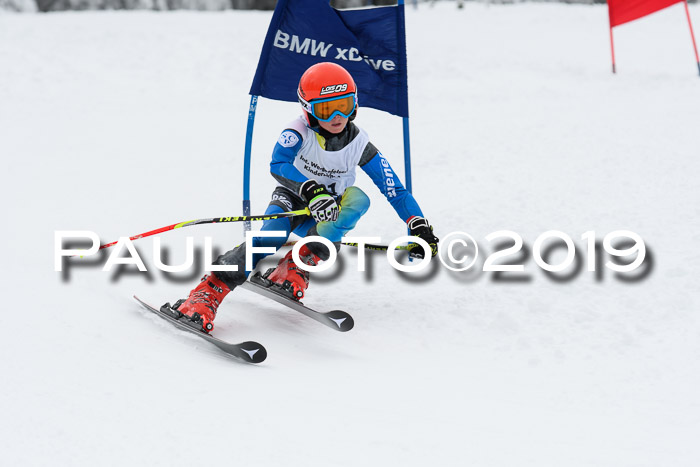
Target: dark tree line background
{"x": 210, "y": 5}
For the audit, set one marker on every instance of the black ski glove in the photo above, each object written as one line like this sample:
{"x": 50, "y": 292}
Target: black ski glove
{"x": 419, "y": 227}
{"x": 321, "y": 204}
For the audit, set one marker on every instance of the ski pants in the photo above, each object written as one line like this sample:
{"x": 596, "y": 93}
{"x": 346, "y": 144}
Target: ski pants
{"x": 353, "y": 204}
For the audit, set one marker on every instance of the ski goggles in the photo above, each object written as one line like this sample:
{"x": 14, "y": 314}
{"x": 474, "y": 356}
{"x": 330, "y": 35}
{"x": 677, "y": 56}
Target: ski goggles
{"x": 325, "y": 109}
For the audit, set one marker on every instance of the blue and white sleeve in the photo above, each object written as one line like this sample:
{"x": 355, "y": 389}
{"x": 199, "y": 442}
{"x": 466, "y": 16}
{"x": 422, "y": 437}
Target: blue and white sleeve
{"x": 282, "y": 164}
{"x": 381, "y": 173}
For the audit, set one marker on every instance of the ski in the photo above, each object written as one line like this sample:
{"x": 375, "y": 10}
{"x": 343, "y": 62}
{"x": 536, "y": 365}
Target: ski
{"x": 250, "y": 352}
{"x": 335, "y": 319}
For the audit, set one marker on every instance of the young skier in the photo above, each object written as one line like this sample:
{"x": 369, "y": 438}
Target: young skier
{"x": 314, "y": 163}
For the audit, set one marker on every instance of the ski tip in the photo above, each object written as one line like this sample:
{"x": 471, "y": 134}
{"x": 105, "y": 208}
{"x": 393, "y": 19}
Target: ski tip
{"x": 252, "y": 352}
{"x": 342, "y": 320}
{"x": 140, "y": 301}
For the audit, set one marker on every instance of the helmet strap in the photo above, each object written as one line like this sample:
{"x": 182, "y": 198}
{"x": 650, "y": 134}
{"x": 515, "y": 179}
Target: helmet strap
{"x": 313, "y": 121}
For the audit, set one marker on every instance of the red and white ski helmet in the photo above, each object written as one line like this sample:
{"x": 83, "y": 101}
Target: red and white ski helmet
{"x": 327, "y": 82}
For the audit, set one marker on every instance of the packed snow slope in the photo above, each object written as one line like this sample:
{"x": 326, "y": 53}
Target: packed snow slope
{"x": 119, "y": 123}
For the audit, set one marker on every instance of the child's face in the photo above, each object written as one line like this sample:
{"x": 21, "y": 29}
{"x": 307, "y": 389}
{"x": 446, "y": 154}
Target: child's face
{"x": 334, "y": 125}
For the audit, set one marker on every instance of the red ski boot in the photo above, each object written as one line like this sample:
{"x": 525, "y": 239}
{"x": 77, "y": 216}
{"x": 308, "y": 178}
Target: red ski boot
{"x": 200, "y": 307}
{"x": 288, "y": 278}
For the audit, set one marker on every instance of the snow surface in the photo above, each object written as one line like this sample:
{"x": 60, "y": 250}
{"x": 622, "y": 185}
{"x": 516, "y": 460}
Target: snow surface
{"x": 123, "y": 122}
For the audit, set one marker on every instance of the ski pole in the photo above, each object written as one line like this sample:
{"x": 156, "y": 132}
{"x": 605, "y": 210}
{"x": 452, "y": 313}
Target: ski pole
{"x": 369, "y": 246}
{"x": 215, "y": 220}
